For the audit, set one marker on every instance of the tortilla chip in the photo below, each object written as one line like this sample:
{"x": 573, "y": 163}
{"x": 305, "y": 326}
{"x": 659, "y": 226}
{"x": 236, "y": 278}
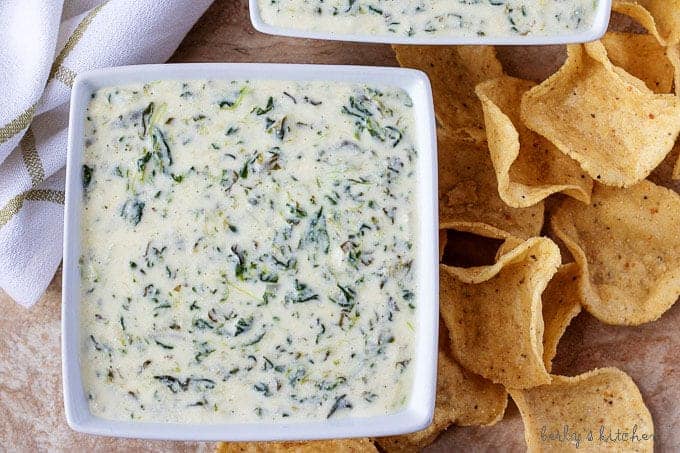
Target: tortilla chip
{"x": 676, "y": 170}
{"x": 454, "y": 71}
{"x": 326, "y": 446}
{"x": 551, "y": 205}
{"x": 494, "y": 319}
{"x": 510, "y": 244}
{"x": 463, "y": 398}
{"x": 605, "y": 399}
{"x": 469, "y": 255}
{"x": 603, "y": 117}
{"x": 668, "y": 173}
{"x": 443, "y": 240}
{"x": 643, "y": 57}
{"x": 466, "y": 398}
{"x": 666, "y": 14}
{"x": 561, "y": 304}
{"x": 673, "y": 55}
{"x": 641, "y": 15}
{"x": 468, "y": 194}
{"x": 662, "y": 13}
{"x": 627, "y": 244}
{"x": 508, "y": 252}
{"x": 464, "y": 249}
{"x": 528, "y": 167}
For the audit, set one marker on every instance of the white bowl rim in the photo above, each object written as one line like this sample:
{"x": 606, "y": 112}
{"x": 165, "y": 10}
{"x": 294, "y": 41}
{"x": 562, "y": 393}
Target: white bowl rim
{"x": 419, "y": 411}
{"x": 600, "y": 24}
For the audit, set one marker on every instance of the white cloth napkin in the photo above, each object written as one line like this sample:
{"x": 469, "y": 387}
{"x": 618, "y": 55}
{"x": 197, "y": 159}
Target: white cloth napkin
{"x": 44, "y": 44}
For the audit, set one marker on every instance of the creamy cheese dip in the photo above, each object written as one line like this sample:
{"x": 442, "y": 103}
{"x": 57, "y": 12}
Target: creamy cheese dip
{"x": 248, "y": 251}
{"x": 435, "y": 18}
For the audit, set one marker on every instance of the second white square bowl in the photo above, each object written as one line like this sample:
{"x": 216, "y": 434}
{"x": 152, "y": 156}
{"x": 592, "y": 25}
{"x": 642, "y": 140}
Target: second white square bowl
{"x": 596, "y": 31}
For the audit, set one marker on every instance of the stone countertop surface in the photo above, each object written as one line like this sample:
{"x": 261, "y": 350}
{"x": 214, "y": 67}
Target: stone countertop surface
{"x": 31, "y": 405}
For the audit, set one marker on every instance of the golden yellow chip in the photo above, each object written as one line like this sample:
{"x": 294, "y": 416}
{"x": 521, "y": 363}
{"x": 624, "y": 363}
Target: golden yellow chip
{"x": 454, "y": 71}
{"x": 662, "y": 17}
{"x": 561, "y": 303}
{"x": 673, "y": 55}
{"x": 509, "y": 251}
{"x": 561, "y": 299}
{"x": 676, "y": 170}
{"x": 463, "y": 398}
{"x": 643, "y": 57}
{"x": 326, "y": 446}
{"x": 510, "y": 244}
{"x": 606, "y": 119}
{"x": 469, "y": 249}
{"x": 601, "y": 410}
{"x": 528, "y": 167}
{"x": 468, "y": 194}
{"x": 494, "y": 319}
{"x": 627, "y": 244}
{"x": 666, "y": 14}
{"x": 668, "y": 173}
{"x": 478, "y": 228}
{"x": 443, "y": 239}
{"x": 640, "y": 14}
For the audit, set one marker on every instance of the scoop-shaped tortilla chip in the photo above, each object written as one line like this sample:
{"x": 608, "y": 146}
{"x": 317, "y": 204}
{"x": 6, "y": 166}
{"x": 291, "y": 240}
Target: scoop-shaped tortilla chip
{"x": 603, "y": 117}
{"x": 508, "y": 252}
{"x": 633, "y": 9}
{"x": 443, "y": 239}
{"x": 643, "y": 57}
{"x": 673, "y": 55}
{"x": 528, "y": 167}
{"x": 464, "y": 249}
{"x": 454, "y": 71}
{"x": 676, "y": 169}
{"x": 468, "y": 193}
{"x": 561, "y": 303}
{"x": 584, "y": 413}
{"x": 495, "y": 321}
{"x": 668, "y": 173}
{"x": 463, "y": 398}
{"x": 627, "y": 244}
{"x": 663, "y": 13}
{"x": 326, "y": 446}
{"x": 666, "y": 14}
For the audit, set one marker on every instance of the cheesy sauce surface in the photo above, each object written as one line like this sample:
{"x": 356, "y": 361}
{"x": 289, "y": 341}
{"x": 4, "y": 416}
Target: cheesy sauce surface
{"x": 248, "y": 251}
{"x": 432, "y": 18}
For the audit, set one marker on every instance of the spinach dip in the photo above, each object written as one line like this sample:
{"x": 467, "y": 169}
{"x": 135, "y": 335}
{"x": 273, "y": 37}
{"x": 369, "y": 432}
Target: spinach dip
{"x": 432, "y": 18}
{"x": 248, "y": 251}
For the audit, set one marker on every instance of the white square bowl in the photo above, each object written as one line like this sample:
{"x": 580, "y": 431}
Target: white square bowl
{"x": 417, "y": 414}
{"x": 600, "y": 23}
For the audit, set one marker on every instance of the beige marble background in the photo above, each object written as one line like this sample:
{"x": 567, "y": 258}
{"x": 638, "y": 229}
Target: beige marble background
{"x": 31, "y": 406}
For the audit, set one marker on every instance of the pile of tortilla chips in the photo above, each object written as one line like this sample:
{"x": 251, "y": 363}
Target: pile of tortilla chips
{"x": 546, "y": 208}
